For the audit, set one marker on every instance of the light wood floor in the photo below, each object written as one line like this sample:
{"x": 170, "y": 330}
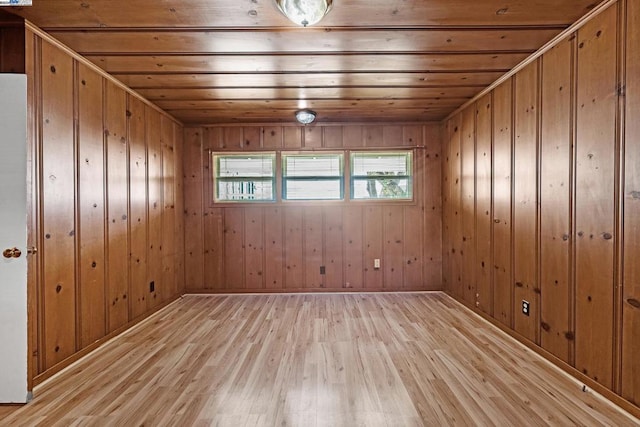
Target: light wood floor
{"x": 314, "y": 360}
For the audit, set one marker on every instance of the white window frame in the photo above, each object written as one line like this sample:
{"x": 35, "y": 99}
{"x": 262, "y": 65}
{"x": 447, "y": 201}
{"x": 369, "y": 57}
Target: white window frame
{"x": 409, "y": 177}
{"x": 215, "y": 162}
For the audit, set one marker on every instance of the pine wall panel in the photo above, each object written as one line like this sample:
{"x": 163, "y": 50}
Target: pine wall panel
{"x": 447, "y": 206}
{"x": 353, "y": 247}
{"x": 563, "y": 200}
{"x": 213, "y": 251}
{"x": 116, "y": 144}
{"x": 595, "y": 196}
{"x": 91, "y": 208}
{"x": 373, "y": 247}
{"x": 525, "y": 198}
{"x": 273, "y": 248}
{"x": 155, "y": 208}
{"x": 178, "y": 216}
{"x": 233, "y": 246}
{"x": 138, "y": 207}
{"x": 333, "y": 247}
{"x": 429, "y": 172}
{"x": 502, "y": 202}
{"x": 58, "y": 207}
{"x": 194, "y": 245}
{"x": 556, "y": 184}
{"x": 170, "y": 253}
{"x": 454, "y": 208}
{"x": 484, "y": 209}
{"x": 281, "y": 246}
{"x": 414, "y": 251}
{"x": 254, "y": 246}
{"x": 631, "y": 195}
{"x": 312, "y": 248}
{"x": 293, "y": 247}
{"x": 94, "y": 219}
{"x": 468, "y": 205}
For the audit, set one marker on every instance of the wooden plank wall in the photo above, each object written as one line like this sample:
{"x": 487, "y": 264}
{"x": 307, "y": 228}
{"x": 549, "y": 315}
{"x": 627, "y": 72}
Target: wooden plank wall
{"x": 563, "y": 138}
{"x": 484, "y": 209}
{"x": 630, "y": 371}
{"x": 502, "y": 202}
{"x": 281, "y": 246}
{"x": 451, "y": 197}
{"x": 105, "y": 164}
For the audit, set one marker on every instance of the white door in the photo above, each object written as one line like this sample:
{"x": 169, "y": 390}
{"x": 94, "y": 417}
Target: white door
{"x": 13, "y": 238}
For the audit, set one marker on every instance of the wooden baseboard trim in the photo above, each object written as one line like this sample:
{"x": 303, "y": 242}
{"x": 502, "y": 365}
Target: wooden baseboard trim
{"x": 578, "y": 376}
{"x": 304, "y": 291}
{"x": 76, "y": 357}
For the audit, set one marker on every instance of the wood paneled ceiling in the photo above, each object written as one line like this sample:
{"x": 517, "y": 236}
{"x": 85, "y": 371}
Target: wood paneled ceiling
{"x": 241, "y": 61}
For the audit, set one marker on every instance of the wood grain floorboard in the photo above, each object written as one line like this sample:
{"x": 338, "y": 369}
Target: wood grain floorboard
{"x": 314, "y": 360}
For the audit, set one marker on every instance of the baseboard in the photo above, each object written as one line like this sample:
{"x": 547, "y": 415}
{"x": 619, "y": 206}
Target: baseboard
{"x": 305, "y": 291}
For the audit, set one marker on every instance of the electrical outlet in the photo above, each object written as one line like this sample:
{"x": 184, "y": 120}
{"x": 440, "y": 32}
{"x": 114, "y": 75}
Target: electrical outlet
{"x": 525, "y": 307}
{"x": 376, "y": 263}
{"x": 152, "y": 286}
{"x": 322, "y": 269}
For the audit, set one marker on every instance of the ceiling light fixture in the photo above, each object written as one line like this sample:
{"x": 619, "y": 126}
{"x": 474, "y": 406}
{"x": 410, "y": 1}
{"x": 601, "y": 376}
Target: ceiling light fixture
{"x": 305, "y": 12}
{"x": 305, "y": 117}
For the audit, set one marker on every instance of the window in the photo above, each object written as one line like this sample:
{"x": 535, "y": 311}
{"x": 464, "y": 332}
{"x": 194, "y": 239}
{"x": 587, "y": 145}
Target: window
{"x": 244, "y": 177}
{"x": 384, "y": 175}
{"x": 259, "y": 177}
{"x": 312, "y": 177}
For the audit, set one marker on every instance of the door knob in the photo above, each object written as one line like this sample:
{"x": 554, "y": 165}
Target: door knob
{"x": 12, "y": 253}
